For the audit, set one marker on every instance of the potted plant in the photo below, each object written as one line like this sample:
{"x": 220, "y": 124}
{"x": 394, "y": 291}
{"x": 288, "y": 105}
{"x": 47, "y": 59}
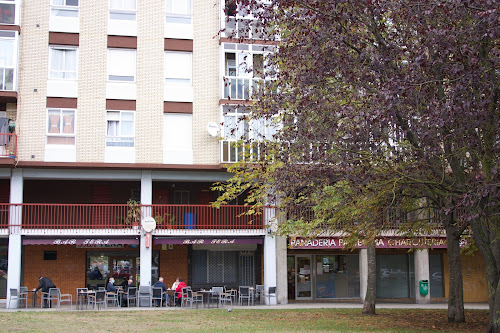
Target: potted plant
{"x": 133, "y": 213}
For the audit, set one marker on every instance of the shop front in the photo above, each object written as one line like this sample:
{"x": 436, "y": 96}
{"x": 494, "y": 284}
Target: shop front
{"x": 229, "y": 262}
{"x": 320, "y": 268}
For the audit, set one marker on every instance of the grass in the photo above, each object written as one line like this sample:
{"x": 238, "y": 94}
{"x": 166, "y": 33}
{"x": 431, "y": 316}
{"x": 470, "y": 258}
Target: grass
{"x": 241, "y": 320}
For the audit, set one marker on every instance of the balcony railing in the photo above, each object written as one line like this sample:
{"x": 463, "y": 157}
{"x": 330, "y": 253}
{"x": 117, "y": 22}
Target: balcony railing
{"x": 106, "y": 216}
{"x": 233, "y": 151}
{"x": 242, "y": 88}
{"x": 244, "y": 28}
{"x": 8, "y": 145}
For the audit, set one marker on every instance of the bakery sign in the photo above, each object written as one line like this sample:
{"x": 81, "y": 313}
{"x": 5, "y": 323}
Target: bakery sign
{"x": 380, "y": 243}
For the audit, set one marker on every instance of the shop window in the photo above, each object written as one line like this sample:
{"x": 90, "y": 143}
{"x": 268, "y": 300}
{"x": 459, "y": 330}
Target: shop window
{"x": 49, "y": 255}
{"x": 394, "y": 276}
{"x": 436, "y": 275}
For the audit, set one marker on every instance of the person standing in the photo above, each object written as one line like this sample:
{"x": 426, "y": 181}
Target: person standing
{"x": 45, "y": 284}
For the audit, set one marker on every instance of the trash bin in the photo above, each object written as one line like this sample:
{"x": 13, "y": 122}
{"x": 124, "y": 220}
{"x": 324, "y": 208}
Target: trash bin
{"x": 189, "y": 220}
{"x": 424, "y": 287}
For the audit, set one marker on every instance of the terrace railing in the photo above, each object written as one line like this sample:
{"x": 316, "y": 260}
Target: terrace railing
{"x": 8, "y": 145}
{"x": 109, "y": 216}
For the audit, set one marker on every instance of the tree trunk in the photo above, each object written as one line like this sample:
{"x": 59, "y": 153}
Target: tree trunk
{"x": 456, "y": 311}
{"x": 371, "y": 288}
{"x": 488, "y": 246}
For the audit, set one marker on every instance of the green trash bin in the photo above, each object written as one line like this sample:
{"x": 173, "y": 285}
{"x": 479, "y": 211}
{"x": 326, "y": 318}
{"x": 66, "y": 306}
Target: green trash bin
{"x": 424, "y": 287}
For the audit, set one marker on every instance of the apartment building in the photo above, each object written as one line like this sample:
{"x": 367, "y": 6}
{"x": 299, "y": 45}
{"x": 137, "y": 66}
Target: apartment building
{"x": 108, "y": 104}
{"x": 113, "y": 112}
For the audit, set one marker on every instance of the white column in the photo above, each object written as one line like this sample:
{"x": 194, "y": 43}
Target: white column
{"x": 146, "y": 253}
{"x": 15, "y": 242}
{"x": 422, "y": 273}
{"x": 281, "y": 270}
{"x": 269, "y": 253}
{"x": 363, "y": 273}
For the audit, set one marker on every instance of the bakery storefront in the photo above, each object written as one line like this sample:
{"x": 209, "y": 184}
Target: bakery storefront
{"x": 320, "y": 268}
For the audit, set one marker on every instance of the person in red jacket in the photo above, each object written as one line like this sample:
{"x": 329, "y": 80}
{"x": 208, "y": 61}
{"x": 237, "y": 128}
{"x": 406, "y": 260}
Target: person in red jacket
{"x": 178, "y": 292}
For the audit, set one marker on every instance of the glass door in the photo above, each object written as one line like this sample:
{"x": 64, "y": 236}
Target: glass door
{"x": 303, "y": 273}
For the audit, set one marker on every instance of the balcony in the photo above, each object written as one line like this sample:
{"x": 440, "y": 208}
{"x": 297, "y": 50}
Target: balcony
{"x": 241, "y": 88}
{"x": 8, "y": 145}
{"x": 118, "y": 219}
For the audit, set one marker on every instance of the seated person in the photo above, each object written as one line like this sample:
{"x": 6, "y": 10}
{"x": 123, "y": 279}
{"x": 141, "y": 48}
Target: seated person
{"x": 111, "y": 287}
{"x": 125, "y": 295}
{"x": 178, "y": 291}
{"x": 160, "y": 284}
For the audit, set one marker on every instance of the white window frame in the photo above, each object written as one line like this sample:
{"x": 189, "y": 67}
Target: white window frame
{"x": 60, "y": 134}
{"x": 113, "y": 77}
{"x": 119, "y": 140}
{"x": 10, "y": 36}
{"x": 173, "y": 16}
{"x": 16, "y": 9}
{"x": 56, "y": 8}
{"x": 64, "y": 71}
{"x": 173, "y": 78}
{"x": 122, "y": 14}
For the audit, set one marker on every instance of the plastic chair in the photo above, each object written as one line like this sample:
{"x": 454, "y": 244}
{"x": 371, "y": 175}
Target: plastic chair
{"x": 81, "y": 297}
{"x": 15, "y": 295}
{"x": 216, "y": 292}
{"x": 145, "y": 293}
{"x": 132, "y": 295}
{"x": 271, "y": 293}
{"x": 98, "y": 299}
{"x": 192, "y": 297}
{"x": 244, "y": 293}
{"x": 112, "y": 297}
{"x": 157, "y": 295}
{"x": 68, "y": 298}
{"x": 52, "y": 296}
{"x": 259, "y": 292}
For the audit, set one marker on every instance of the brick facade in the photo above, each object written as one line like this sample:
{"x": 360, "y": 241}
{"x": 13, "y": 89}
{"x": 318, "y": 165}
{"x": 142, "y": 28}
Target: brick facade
{"x": 69, "y": 269}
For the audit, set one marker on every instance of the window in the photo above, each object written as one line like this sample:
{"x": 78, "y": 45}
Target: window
{"x": 236, "y": 124}
{"x": 122, "y": 10}
{"x": 61, "y": 126}
{"x": 121, "y": 65}
{"x": 7, "y": 59}
{"x": 120, "y": 129}
{"x": 7, "y": 12}
{"x": 178, "y": 67}
{"x": 63, "y": 63}
{"x": 178, "y": 11}
{"x": 64, "y": 8}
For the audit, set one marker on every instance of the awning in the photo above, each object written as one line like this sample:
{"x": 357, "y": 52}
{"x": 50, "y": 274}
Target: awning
{"x": 206, "y": 241}
{"x": 80, "y": 241}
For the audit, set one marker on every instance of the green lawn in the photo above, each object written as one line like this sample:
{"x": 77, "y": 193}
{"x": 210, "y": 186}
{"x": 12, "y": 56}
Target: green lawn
{"x": 240, "y": 320}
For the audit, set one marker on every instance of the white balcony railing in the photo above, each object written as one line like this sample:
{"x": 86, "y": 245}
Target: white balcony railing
{"x": 242, "y": 88}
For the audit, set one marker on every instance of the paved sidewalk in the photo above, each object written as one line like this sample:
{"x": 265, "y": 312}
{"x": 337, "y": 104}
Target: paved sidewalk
{"x": 294, "y": 305}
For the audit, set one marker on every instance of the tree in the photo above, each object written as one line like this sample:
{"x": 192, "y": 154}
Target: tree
{"x": 396, "y": 99}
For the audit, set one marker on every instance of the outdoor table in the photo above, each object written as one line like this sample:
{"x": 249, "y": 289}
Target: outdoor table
{"x": 33, "y": 297}
{"x": 208, "y": 293}
{"x": 80, "y": 297}
{"x": 171, "y": 300}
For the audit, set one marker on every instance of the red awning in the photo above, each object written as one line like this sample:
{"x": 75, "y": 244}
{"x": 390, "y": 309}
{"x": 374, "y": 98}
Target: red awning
{"x": 80, "y": 241}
